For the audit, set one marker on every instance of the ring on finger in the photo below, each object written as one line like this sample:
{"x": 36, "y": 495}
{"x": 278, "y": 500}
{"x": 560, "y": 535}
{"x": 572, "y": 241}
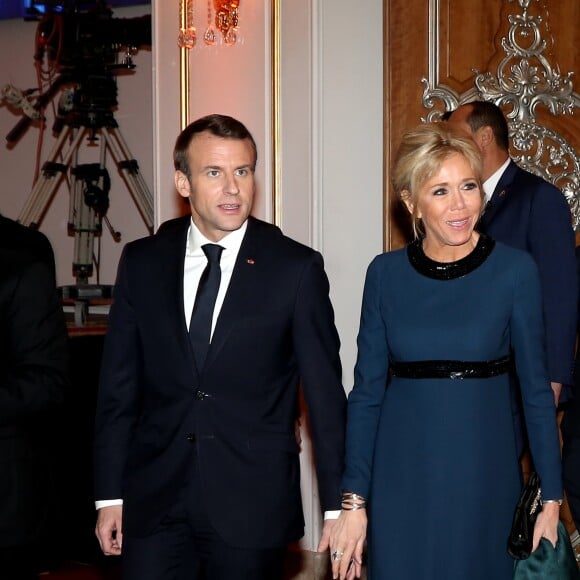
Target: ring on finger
{"x": 337, "y": 555}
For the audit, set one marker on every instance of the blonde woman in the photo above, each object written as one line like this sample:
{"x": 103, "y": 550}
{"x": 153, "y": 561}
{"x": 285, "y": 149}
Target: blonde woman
{"x": 431, "y": 458}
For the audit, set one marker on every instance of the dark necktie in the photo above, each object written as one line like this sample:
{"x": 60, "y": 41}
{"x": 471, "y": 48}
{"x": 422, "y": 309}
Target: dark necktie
{"x": 201, "y": 317}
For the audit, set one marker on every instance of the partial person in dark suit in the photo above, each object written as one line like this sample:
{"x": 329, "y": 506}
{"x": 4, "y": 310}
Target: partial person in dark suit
{"x": 197, "y": 466}
{"x": 571, "y": 435}
{"x": 29, "y": 241}
{"x": 527, "y": 212}
{"x": 15, "y": 236}
{"x": 33, "y": 378}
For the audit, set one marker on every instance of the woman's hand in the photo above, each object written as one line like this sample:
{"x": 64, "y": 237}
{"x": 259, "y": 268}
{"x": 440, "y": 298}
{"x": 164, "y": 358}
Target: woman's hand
{"x": 346, "y": 544}
{"x": 547, "y": 524}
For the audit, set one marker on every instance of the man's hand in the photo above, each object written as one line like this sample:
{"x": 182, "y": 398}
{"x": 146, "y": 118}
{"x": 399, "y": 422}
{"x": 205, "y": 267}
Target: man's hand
{"x": 325, "y": 537}
{"x": 557, "y": 389}
{"x": 109, "y": 529}
{"x": 297, "y": 432}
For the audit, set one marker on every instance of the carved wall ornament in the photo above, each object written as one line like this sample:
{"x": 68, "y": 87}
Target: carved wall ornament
{"x": 524, "y": 80}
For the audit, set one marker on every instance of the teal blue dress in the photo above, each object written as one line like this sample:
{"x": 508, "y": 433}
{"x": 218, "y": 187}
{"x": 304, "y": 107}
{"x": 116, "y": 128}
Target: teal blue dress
{"x": 437, "y": 458}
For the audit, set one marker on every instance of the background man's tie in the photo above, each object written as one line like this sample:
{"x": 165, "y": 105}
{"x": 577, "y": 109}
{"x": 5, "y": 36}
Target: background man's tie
{"x": 201, "y": 317}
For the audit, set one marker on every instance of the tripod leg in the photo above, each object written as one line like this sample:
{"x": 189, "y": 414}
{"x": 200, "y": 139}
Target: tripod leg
{"x": 129, "y": 169}
{"x": 47, "y": 184}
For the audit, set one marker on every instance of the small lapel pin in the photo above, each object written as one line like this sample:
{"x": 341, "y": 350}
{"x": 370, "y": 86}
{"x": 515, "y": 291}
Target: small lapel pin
{"x": 502, "y": 193}
{"x": 250, "y": 261}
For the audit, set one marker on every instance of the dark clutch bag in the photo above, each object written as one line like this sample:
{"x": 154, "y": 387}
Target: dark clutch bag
{"x": 519, "y": 545}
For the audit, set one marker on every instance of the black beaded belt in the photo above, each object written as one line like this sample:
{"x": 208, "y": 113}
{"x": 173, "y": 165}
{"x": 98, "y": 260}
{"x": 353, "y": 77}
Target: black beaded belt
{"x": 450, "y": 369}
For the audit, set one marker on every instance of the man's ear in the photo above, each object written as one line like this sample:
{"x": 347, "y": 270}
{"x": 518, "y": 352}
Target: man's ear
{"x": 407, "y": 200}
{"x": 484, "y": 137}
{"x": 182, "y": 184}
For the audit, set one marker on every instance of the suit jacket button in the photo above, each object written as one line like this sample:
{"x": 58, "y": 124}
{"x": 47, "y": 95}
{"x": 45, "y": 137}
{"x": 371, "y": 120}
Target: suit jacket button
{"x": 190, "y": 437}
{"x": 200, "y": 395}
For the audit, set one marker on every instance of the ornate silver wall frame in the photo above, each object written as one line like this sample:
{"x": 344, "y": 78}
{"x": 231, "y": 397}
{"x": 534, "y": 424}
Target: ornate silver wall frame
{"x": 524, "y": 79}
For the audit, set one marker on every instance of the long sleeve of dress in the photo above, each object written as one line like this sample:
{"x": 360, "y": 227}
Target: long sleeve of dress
{"x": 527, "y": 332}
{"x": 364, "y": 402}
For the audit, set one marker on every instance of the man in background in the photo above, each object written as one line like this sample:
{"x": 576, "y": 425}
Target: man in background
{"x": 526, "y": 212}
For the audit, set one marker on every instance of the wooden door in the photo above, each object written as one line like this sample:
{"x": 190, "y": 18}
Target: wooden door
{"x": 433, "y": 47}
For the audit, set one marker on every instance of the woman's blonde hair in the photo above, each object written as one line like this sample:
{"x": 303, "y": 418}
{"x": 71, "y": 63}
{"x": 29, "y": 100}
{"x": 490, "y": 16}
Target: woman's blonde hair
{"x": 420, "y": 155}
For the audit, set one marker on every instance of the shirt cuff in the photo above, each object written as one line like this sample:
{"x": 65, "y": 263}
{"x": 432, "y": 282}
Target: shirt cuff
{"x": 331, "y": 515}
{"x": 107, "y": 502}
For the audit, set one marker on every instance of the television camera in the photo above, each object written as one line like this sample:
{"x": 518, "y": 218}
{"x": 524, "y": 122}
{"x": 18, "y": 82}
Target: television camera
{"x": 80, "y": 44}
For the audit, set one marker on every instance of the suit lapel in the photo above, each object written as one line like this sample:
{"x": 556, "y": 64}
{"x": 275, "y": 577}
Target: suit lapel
{"x": 500, "y": 194}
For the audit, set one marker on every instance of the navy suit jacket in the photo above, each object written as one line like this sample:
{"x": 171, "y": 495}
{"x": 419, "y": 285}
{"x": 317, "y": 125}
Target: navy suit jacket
{"x": 156, "y": 412}
{"x": 529, "y": 213}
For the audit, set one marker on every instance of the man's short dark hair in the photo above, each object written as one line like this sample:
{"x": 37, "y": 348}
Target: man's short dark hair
{"x": 486, "y": 114}
{"x": 218, "y": 125}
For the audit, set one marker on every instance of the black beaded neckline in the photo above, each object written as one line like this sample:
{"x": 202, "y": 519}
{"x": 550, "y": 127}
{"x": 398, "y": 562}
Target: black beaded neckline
{"x": 449, "y": 270}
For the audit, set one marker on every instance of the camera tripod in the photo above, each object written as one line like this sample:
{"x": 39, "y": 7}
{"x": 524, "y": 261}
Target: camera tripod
{"x": 89, "y": 187}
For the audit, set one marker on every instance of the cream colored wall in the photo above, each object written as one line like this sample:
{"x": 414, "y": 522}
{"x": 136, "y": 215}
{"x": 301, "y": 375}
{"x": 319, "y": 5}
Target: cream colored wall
{"x": 337, "y": 133}
{"x": 229, "y": 80}
{"x": 235, "y": 80}
{"x": 350, "y": 101}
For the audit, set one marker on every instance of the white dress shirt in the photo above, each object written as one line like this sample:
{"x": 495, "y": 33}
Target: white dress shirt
{"x": 491, "y": 182}
{"x": 195, "y": 263}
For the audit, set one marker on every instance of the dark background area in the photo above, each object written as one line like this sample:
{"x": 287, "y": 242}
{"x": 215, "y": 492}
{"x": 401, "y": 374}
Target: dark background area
{"x": 74, "y": 517}
{"x": 16, "y": 8}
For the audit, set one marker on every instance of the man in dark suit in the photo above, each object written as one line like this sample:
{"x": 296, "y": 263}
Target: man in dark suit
{"x": 33, "y": 378}
{"x": 197, "y": 467}
{"x": 527, "y": 212}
